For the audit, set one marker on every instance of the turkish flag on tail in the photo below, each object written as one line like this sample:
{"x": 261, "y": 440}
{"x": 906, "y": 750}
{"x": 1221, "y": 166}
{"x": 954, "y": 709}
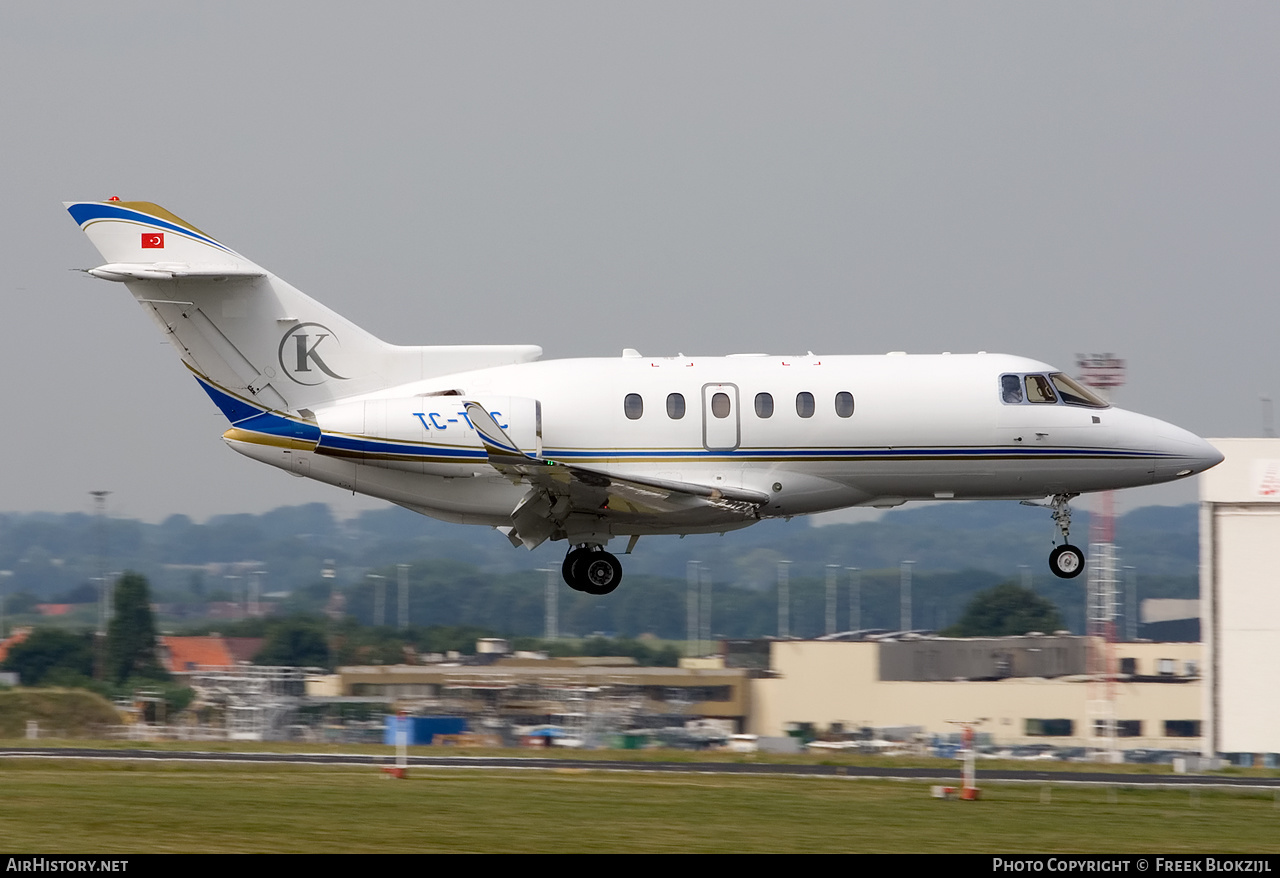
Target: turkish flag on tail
{"x": 153, "y": 240}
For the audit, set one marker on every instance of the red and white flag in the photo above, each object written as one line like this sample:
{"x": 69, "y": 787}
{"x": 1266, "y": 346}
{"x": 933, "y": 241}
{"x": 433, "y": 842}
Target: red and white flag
{"x": 153, "y": 240}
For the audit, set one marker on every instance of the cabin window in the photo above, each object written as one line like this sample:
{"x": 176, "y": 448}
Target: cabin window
{"x": 675, "y": 406}
{"x": 633, "y": 405}
{"x": 720, "y": 405}
{"x": 804, "y": 404}
{"x": 764, "y": 405}
{"x": 1010, "y": 389}
{"x": 1039, "y": 389}
{"x": 844, "y": 404}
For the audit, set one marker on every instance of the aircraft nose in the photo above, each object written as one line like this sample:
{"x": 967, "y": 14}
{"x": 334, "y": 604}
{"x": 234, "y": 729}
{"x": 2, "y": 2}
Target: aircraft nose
{"x": 1186, "y": 453}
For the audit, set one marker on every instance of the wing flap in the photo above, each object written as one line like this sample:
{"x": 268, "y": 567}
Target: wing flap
{"x": 560, "y": 489}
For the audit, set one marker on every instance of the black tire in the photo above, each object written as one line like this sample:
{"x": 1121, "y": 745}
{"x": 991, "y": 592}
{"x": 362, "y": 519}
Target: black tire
{"x": 1066, "y": 562}
{"x": 569, "y": 569}
{"x": 600, "y": 573}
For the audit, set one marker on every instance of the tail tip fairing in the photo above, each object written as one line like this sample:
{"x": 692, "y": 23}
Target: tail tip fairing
{"x": 141, "y": 233}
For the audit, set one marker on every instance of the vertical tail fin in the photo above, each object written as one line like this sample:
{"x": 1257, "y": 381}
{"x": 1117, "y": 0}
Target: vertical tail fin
{"x": 245, "y": 331}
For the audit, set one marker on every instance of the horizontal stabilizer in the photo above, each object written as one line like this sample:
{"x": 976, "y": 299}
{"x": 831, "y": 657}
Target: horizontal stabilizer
{"x": 126, "y": 271}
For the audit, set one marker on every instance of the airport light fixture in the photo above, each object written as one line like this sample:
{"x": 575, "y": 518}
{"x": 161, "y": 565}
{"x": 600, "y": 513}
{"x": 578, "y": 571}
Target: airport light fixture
{"x": 551, "y": 608}
{"x": 403, "y": 571}
{"x": 904, "y": 580}
{"x": 855, "y": 598}
{"x": 833, "y": 571}
{"x": 784, "y": 600}
{"x": 379, "y": 597}
{"x": 4, "y": 580}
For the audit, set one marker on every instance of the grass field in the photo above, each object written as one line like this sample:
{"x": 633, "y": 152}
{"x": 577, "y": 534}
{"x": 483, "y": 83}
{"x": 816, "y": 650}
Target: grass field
{"x": 64, "y": 806}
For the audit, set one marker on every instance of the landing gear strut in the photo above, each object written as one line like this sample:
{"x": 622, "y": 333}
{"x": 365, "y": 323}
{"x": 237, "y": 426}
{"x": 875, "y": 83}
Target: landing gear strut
{"x": 1066, "y": 561}
{"x": 592, "y": 570}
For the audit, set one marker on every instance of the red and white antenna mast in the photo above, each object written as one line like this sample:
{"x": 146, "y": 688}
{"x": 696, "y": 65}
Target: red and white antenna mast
{"x": 1105, "y": 373}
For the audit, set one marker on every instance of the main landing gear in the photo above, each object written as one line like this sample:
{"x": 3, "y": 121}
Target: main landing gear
{"x": 1066, "y": 561}
{"x": 591, "y": 569}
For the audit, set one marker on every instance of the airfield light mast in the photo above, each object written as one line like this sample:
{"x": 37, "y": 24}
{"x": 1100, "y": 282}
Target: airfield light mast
{"x": 904, "y": 588}
{"x": 833, "y": 571}
{"x": 551, "y": 605}
{"x": 692, "y": 628}
{"x": 403, "y": 617}
{"x": 784, "y": 600}
{"x": 104, "y": 593}
{"x": 704, "y": 629}
{"x": 1105, "y": 373}
{"x": 379, "y": 597}
{"x": 855, "y": 598}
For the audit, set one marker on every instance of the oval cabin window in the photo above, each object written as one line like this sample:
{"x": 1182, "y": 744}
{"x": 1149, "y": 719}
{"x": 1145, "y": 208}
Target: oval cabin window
{"x": 720, "y": 405}
{"x": 844, "y": 404}
{"x": 675, "y": 406}
{"x": 633, "y": 405}
{"x": 764, "y": 405}
{"x": 804, "y": 404}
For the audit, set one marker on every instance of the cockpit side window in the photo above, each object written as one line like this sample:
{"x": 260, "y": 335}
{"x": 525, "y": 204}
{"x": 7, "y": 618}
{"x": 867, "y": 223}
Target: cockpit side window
{"x": 1056, "y": 387}
{"x": 1011, "y": 389}
{"x": 1039, "y": 389}
{"x": 1074, "y": 393}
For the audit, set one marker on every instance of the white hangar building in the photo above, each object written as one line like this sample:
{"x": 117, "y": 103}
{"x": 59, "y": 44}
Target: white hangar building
{"x": 1240, "y": 597}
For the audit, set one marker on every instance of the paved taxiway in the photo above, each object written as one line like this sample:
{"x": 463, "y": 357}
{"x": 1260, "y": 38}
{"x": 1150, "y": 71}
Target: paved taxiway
{"x": 1174, "y": 781}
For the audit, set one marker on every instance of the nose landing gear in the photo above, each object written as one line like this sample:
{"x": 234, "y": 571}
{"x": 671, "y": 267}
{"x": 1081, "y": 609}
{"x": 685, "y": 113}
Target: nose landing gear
{"x": 1066, "y": 561}
{"x": 592, "y": 570}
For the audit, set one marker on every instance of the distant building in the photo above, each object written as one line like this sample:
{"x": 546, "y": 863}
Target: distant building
{"x": 1027, "y": 690}
{"x": 55, "y": 609}
{"x": 17, "y": 636}
{"x": 1240, "y": 596}
{"x": 182, "y": 655}
{"x": 1171, "y": 619}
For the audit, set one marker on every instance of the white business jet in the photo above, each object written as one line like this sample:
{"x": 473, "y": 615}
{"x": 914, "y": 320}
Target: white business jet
{"x": 587, "y": 450}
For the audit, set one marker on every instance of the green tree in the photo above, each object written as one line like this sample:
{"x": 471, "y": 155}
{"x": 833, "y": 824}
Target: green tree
{"x": 1006, "y": 609}
{"x": 52, "y": 656}
{"x": 131, "y": 636}
{"x": 298, "y": 642}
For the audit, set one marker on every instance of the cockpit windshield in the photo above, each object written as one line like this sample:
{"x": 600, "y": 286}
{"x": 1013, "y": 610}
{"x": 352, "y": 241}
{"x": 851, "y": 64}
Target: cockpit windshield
{"x": 1056, "y": 388}
{"x": 1074, "y": 393}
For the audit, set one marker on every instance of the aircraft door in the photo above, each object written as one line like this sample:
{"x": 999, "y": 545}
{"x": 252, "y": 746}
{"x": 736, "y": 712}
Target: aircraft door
{"x": 720, "y": 421}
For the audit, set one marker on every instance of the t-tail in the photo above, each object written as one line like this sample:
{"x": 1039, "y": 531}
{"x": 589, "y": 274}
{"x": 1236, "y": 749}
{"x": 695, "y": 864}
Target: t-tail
{"x": 252, "y": 340}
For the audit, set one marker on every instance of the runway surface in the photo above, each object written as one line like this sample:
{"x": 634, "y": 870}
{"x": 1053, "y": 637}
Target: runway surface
{"x": 1041, "y": 776}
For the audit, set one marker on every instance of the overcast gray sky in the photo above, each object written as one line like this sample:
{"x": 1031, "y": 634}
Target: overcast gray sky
{"x": 1034, "y": 178}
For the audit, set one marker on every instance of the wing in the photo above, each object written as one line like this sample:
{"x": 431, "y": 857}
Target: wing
{"x": 558, "y": 491}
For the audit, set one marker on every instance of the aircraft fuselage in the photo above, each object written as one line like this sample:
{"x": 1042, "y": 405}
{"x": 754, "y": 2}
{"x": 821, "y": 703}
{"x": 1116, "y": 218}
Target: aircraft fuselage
{"x": 909, "y": 427}
{"x": 586, "y": 450}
